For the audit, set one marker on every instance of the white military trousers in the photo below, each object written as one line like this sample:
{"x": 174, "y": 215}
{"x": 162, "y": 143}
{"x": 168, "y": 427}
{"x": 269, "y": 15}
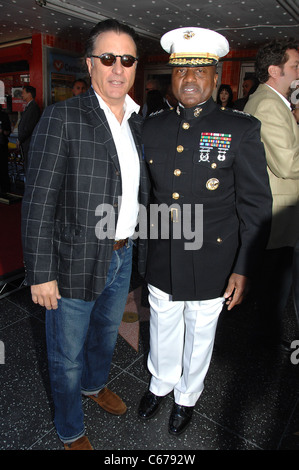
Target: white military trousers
{"x": 182, "y": 337}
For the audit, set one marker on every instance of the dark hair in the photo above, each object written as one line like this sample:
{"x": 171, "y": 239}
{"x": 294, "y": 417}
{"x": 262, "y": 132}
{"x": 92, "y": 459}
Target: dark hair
{"x": 79, "y": 80}
{"x": 252, "y": 78}
{"x": 223, "y": 86}
{"x": 30, "y": 89}
{"x": 273, "y": 53}
{"x": 104, "y": 27}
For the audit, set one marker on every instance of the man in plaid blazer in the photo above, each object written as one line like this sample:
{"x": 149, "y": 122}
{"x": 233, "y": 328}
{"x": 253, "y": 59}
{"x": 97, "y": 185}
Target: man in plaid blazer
{"x": 85, "y": 168}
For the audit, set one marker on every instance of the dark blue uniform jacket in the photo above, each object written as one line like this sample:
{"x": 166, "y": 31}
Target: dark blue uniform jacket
{"x": 207, "y": 166}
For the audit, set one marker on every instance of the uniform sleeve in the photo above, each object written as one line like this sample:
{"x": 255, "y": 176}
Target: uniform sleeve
{"x": 46, "y": 170}
{"x": 253, "y": 199}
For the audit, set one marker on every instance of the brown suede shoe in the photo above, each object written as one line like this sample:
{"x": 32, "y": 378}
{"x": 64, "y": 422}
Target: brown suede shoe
{"x": 110, "y": 402}
{"x": 80, "y": 444}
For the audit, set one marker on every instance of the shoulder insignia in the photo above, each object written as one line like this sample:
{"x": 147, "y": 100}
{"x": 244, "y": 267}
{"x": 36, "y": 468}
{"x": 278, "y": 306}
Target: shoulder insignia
{"x": 237, "y": 111}
{"x": 156, "y": 113}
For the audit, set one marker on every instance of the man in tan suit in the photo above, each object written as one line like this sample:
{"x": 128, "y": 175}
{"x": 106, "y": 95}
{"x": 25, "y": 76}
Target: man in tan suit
{"x": 277, "y": 67}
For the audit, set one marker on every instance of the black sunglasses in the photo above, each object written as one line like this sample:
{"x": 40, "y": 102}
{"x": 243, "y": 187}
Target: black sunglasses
{"x": 110, "y": 59}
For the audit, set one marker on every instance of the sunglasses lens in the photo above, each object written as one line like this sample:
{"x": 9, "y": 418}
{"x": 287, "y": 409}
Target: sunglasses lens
{"x": 127, "y": 60}
{"x": 107, "y": 59}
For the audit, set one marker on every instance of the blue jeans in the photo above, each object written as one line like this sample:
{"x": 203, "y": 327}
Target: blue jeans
{"x": 81, "y": 338}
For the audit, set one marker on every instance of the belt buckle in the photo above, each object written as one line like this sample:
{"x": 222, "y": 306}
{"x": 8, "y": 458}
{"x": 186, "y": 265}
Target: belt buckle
{"x": 118, "y": 244}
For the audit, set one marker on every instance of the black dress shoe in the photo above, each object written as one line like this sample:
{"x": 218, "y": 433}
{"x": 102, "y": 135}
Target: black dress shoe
{"x": 149, "y": 405}
{"x": 179, "y": 419}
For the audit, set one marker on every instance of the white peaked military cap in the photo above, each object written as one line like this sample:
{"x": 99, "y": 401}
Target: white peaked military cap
{"x": 193, "y": 47}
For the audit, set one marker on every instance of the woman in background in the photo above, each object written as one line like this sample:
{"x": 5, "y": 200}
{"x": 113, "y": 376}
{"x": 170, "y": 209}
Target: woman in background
{"x": 225, "y": 96}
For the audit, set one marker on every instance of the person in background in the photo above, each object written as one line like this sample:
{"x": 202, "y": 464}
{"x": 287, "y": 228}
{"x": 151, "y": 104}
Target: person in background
{"x": 225, "y": 96}
{"x": 151, "y": 84}
{"x": 155, "y": 102}
{"x": 5, "y": 130}
{"x": 85, "y": 159}
{"x": 277, "y": 66}
{"x": 207, "y": 166}
{"x": 250, "y": 84}
{"x": 29, "y": 118}
{"x": 79, "y": 86}
{"x": 170, "y": 99}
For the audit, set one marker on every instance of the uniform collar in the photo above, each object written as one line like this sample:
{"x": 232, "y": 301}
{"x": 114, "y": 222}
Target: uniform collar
{"x": 196, "y": 111}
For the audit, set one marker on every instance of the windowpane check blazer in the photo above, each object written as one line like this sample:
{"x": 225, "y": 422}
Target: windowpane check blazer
{"x": 73, "y": 169}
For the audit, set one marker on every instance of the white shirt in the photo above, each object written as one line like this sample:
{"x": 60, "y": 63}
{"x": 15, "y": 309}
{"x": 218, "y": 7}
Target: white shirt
{"x": 129, "y": 167}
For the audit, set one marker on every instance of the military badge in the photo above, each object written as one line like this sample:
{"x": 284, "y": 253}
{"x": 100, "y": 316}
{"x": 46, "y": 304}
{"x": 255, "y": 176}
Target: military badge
{"x": 211, "y": 140}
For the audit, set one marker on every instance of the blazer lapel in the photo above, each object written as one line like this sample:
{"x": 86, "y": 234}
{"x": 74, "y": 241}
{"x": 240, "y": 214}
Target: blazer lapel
{"x": 135, "y": 126}
{"x": 90, "y": 101}
{"x": 104, "y": 133}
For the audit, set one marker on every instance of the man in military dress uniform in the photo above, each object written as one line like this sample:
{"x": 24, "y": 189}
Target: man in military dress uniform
{"x": 201, "y": 157}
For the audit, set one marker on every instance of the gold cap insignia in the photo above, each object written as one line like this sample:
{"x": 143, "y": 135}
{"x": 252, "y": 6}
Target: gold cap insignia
{"x": 189, "y": 35}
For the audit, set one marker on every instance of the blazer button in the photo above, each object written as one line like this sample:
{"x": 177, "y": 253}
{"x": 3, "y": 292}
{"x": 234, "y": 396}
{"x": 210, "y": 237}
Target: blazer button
{"x": 180, "y": 148}
{"x": 219, "y": 240}
{"x": 177, "y": 172}
{"x": 151, "y": 161}
{"x": 175, "y": 195}
{"x": 185, "y": 126}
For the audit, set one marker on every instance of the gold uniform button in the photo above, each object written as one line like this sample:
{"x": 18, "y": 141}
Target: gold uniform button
{"x": 212, "y": 184}
{"x": 214, "y": 165}
{"x": 177, "y": 172}
{"x": 151, "y": 161}
{"x": 219, "y": 240}
{"x": 180, "y": 148}
{"x": 186, "y": 126}
{"x": 175, "y": 195}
